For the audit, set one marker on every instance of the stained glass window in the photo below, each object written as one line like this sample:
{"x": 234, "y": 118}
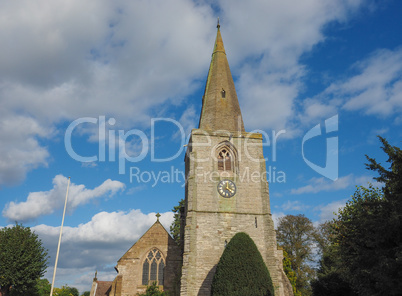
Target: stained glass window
{"x": 153, "y": 268}
{"x": 160, "y": 272}
{"x": 145, "y": 272}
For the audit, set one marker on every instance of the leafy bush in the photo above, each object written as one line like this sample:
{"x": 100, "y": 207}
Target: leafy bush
{"x": 153, "y": 290}
{"x": 241, "y": 270}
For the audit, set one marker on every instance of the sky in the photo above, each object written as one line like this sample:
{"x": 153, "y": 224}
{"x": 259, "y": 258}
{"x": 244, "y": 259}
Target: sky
{"x": 107, "y": 92}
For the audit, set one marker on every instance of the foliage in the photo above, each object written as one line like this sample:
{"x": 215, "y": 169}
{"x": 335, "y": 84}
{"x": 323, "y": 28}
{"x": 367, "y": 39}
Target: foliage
{"x": 366, "y": 251}
{"x": 86, "y": 293}
{"x": 297, "y": 235}
{"x": 175, "y": 227}
{"x": 65, "y": 291}
{"x": 369, "y": 243}
{"x": 23, "y": 260}
{"x": 331, "y": 277}
{"x": 324, "y": 236}
{"x": 241, "y": 270}
{"x": 43, "y": 287}
{"x": 287, "y": 268}
{"x": 153, "y": 290}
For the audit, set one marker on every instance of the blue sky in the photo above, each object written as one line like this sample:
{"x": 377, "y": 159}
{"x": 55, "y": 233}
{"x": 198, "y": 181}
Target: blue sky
{"x": 295, "y": 64}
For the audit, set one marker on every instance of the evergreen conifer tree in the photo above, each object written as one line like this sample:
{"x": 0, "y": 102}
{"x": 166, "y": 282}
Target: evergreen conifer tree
{"x": 241, "y": 270}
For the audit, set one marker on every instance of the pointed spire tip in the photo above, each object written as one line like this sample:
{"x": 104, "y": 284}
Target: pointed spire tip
{"x": 218, "y": 25}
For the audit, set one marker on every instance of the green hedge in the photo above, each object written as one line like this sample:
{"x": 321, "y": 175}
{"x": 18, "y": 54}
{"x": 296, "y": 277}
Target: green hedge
{"x": 241, "y": 270}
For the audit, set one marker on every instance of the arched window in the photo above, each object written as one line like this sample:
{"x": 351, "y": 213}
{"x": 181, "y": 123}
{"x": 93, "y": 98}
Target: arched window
{"x": 224, "y": 160}
{"x": 153, "y": 268}
{"x": 226, "y": 156}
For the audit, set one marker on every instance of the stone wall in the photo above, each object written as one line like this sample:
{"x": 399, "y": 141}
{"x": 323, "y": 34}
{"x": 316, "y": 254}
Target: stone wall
{"x": 130, "y": 265}
{"x": 212, "y": 220}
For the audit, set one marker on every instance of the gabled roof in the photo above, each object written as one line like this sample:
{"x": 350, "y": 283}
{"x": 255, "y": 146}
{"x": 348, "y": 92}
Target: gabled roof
{"x": 103, "y": 288}
{"x": 152, "y": 234}
{"x": 220, "y": 106}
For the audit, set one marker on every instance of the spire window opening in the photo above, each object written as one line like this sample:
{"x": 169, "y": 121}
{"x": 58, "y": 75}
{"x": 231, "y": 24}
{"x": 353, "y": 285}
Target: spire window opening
{"x": 223, "y": 93}
{"x": 153, "y": 268}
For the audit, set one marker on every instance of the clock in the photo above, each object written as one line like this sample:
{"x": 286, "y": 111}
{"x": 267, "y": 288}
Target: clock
{"x": 226, "y": 188}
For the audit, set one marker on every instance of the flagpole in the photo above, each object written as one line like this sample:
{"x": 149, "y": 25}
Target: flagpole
{"x": 61, "y": 231}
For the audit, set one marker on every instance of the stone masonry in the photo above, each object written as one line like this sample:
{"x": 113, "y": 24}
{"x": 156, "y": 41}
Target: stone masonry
{"x": 212, "y": 220}
{"x": 129, "y": 267}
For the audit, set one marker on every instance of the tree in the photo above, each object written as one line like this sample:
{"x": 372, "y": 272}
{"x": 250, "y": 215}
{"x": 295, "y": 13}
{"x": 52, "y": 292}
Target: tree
{"x": 74, "y": 291}
{"x": 331, "y": 277}
{"x": 324, "y": 236}
{"x": 369, "y": 230}
{"x": 297, "y": 235}
{"x": 176, "y": 224}
{"x": 287, "y": 268}
{"x": 65, "y": 291}
{"x": 23, "y": 260}
{"x": 86, "y": 293}
{"x": 153, "y": 290}
{"x": 241, "y": 270}
{"x": 43, "y": 287}
{"x": 368, "y": 243}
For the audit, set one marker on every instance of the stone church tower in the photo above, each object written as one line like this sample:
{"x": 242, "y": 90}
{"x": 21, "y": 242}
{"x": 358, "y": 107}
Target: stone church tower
{"x": 226, "y": 188}
{"x": 226, "y": 193}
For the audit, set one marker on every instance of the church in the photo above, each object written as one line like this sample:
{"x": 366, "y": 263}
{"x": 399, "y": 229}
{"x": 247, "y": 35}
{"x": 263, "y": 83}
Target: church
{"x": 226, "y": 192}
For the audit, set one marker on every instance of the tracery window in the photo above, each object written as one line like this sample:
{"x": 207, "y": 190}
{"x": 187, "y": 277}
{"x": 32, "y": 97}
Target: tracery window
{"x": 224, "y": 160}
{"x": 153, "y": 268}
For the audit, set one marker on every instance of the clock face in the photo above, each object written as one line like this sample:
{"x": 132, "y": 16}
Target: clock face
{"x": 227, "y": 188}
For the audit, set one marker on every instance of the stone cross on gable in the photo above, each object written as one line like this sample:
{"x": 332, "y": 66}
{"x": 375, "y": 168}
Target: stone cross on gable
{"x": 157, "y": 216}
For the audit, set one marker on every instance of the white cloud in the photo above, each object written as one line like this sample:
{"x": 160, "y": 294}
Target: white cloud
{"x": 376, "y": 89}
{"x": 124, "y": 59}
{"x": 294, "y": 206}
{"x": 327, "y": 211}
{"x": 315, "y": 109}
{"x": 188, "y": 121}
{"x": 20, "y": 149}
{"x": 271, "y": 36}
{"x": 323, "y": 184}
{"x": 276, "y": 217}
{"x": 130, "y": 56}
{"x": 46, "y": 202}
{"x": 96, "y": 245}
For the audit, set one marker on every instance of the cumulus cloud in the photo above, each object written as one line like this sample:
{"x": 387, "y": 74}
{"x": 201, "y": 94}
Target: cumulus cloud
{"x": 323, "y": 184}
{"x": 97, "y": 244}
{"x": 115, "y": 63}
{"x": 130, "y": 56}
{"x": 294, "y": 206}
{"x": 375, "y": 88}
{"x": 272, "y": 35}
{"x": 276, "y": 217}
{"x": 46, "y": 202}
{"x": 328, "y": 212}
{"x": 20, "y": 149}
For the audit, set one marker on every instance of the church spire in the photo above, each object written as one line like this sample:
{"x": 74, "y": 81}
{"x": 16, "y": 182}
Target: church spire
{"x": 220, "y": 106}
